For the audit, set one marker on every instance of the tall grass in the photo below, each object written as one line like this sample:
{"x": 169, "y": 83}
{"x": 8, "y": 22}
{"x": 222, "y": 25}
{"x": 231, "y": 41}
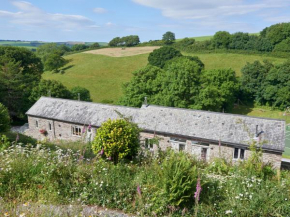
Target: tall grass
{"x": 151, "y": 186}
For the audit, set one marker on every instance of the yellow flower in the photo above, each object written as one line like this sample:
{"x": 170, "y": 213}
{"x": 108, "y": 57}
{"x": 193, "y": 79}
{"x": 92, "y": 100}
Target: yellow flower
{"x": 22, "y": 215}
{"x": 6, "y": 214}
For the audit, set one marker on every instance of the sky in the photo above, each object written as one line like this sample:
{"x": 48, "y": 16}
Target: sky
{"x": 102, "y": 20}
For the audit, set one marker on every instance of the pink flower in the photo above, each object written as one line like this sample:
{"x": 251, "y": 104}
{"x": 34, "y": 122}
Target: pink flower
{"x": 89, "y": 127}
{"x": 139, "y": 191}
{"x": 198, "y": 190}
{"x": 84, "y": 130}
{"x": 102, "y": 152}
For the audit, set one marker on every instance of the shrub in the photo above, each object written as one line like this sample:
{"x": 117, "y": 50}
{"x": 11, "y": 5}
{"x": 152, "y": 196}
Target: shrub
{"x": 84, "y": 94}
{"x": 4, "y": 119}
{"x": 117, "y": 139}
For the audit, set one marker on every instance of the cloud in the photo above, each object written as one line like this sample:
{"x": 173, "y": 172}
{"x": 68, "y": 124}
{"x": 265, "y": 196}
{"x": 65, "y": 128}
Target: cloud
{"x": 30, "y": 15}
{"x": 110, "y": 24}
{"x": 100, "y": 10}
{"x": 210, "y": 9}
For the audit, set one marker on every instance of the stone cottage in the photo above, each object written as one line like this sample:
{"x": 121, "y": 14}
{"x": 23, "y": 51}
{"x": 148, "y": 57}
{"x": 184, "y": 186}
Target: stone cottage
{"x": 204, "y": 134}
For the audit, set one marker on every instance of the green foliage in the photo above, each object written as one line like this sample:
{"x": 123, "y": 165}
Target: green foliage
{"x": 178, "y": 179}
{"x": 159, "y": 56}
{"x": 20, "y": 71}
{"x": 50, "y": 87}
{"x": 168, "y": 37}
{"x": 78, "y": 47}
{"x": 221, "y": 39}
{"x": 179, "y": 84}
{"x": 119, "y": 139}
{"x": 277, "y": 33}
{"x": 276, "y": 88}
{"x": 143, "y": 84}
{"x": 4, "y": 143}
{"x": 283, "y": 46}
{"x": 127, "y": 41}
{"x": 239, "y": 41}
{"x": 95, "y": 45}
{"x": 84, "y": 94}
{"x": 54, "y": 61}
{"x": 4, "y": 119}
{"x": 219, "y": 90}
{"x": 253, "y": 75}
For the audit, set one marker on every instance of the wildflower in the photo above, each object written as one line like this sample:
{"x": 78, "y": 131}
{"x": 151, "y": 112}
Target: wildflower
{"x": 22, "y": 215}
{"x": 102, "y": 152}
{"x": 229, "y": 211}
{"x": 198, "y": 190}
{"x": 84, "y": 130}
{"x": 89, "y": 127}
{"x": 26, "y": 204}
{"x": 17, "y": 137}
{"x": 139, "y": 191}
{"x": 6, "y": 214}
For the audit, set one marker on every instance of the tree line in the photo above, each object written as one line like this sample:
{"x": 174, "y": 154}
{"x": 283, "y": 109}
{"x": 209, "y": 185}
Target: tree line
{"x": 275, "y": 39}
{"x": 171, "y": 79}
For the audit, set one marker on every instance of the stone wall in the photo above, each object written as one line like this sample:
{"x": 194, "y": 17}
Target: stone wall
{"x": 212, "y": 150}
{"x": 63, "y": 131}
{"x": 59, "y": 130}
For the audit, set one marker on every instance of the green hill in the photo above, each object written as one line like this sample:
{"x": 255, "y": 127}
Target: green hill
{"x": 104, "y": 75}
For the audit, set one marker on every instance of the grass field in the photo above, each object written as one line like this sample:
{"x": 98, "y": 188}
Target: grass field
{"x": 229, "y": 60}
{"x": 104, "y": 75}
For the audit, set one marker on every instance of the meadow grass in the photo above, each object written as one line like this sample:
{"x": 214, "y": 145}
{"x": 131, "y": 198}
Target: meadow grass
{"x": 103, "y": 76}
{"x": 230, "y": 60}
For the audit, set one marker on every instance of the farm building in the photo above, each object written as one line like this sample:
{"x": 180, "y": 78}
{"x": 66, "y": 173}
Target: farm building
{"x": 204, "y": 134}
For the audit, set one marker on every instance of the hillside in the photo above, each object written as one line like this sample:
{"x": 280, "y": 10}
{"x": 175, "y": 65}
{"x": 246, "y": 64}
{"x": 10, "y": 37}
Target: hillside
{"x": 104, "y": 75}
{"x": 208, "y": 37}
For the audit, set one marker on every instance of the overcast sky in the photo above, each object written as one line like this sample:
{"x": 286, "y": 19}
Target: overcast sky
{"x": 101, "y": 20}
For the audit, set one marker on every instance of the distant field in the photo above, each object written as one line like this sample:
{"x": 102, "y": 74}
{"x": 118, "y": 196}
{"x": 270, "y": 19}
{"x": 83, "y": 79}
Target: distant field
{"x": 229, "y": 60}
{"x": 122, "y": 52}
{"x": 208, "y": 37}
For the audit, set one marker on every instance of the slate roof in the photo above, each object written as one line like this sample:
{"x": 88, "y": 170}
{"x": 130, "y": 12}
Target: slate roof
{"x": 212, "y": 126}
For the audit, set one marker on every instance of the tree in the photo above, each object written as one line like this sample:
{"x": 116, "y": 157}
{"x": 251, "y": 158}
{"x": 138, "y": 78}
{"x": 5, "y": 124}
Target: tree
{"x": 143, "y": 84}
{"x": 283, "y": 46}
{"x": 221, "y": 39}
{"x": 239, "y": 41}
{"x": 253, "y": 76}
{"x": 278, "y": 32}
{"x": 114, "y": 42}
{"x": 84, "y": 94}
{"x": 78, "y": 47}
{"x": 20, "y": 71}
{"x": 4, "y": 119}
{"x": 218, "y": 90}
{"x": 50, "y": 87}
{"x": 159, "y": 56}
{"x": 95, "y": 45}
{"x": 117, "y": 139}
{"x": 276, "y": 86}
{"x": 168, "y": 37}
{"x": 179, "y": 84}
{"x": 54, "y": 61}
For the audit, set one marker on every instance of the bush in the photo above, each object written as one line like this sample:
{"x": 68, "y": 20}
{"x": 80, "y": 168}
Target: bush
{"x": 117, "y": 139}
{"x": 4, "y": 119}
{"x": 84, "y": 94}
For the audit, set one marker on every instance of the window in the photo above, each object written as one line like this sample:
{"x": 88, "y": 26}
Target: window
{"x": 149, "y": 143}
{"x": 49, "y": 126}
{"x": 203, "y": 154}
{"x": 239, "y": 153}
{"x": 76, "y": 131}
{"x": 36, "y": 123}
{"x": 181, "y": 147}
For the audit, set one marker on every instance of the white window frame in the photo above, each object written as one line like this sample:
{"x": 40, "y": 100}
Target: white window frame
{"x": 180, "y": 142}
{"x": 148, "y": 145}
{"x": 239, "y": 154}
{"x": 78, "y": 132}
